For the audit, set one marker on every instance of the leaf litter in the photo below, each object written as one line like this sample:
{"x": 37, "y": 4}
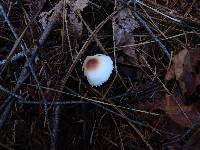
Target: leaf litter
{"x": 124, "y": 28}
{"x": 134, "y": 102}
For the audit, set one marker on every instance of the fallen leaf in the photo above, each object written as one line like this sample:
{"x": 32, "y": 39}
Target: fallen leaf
{"x": 181, "y": 70}
{"x": 79, "y": 4}
{"x": 124, "y": 26}
{"x": 195, "y": 57}
{"x": 174, "y": 107}
{"x": 46, "y": 17}
{"x": 180, "y": 113}
{"x": 170, "y": 73}
{"x": 75, "y": 26}
{"x": 182, "y": 64}
{"x": 186, "y": 70}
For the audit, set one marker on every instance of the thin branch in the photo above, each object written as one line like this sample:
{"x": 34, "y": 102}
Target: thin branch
{"x": 84, "y": 48}
{"x": 25, "y": 73}
{"x": 55, "y": 128}
{"x": 50, "y": 103}
{"x": 2, "y": 11}
{"x": 153, "y": 36}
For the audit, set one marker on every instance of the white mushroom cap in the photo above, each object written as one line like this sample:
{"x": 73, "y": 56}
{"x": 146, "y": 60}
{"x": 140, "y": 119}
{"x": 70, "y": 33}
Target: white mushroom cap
{"x": 97, "y": 69}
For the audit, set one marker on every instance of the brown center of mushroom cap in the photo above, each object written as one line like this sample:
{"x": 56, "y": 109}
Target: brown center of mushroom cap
{"x": 92, "y": 64}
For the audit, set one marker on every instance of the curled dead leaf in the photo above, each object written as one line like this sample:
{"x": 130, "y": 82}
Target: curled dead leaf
{"x": 181, "y": 70}
{"x": 181, "y": 66}
{"x": 75, "y": 26}
{"x": 124, "y": 26}
{"x": 46, "y": 17}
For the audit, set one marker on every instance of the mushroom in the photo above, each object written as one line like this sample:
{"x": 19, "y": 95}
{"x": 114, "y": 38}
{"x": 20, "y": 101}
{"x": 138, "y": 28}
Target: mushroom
{"x": 97, "y": 69}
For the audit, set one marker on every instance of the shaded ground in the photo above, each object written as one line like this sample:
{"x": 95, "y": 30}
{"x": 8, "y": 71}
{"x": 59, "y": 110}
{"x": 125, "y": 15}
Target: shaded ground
{"x": 151, "y": 100}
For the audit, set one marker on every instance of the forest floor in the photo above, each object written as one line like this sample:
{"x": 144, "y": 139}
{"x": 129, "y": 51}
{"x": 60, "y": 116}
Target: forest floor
{"x": 151, "y": 101}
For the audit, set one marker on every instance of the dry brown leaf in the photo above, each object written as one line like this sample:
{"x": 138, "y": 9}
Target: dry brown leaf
{"x": 124, "y": 26}
{"x": 45, "y": 17}
{"x": 181, "y": 70}
{"x": 180, "y": 113}
{"x": 79, "y": 4}
{"x": 183, "y": 115}
{"x": 195, "y": 62}
{"x": 75, "y": 26}
{"x": 181, "y": 66}
{"x": 195, "y": 57}
{"x": 186, "y": 70}
{"x": 170, "y": 73}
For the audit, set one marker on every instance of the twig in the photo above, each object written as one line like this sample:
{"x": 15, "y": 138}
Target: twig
{"x": 55, "y": 128}
{"x": 84, "y": 47}
{"x": 5, "y": 115}
{"x": 125, "y": 117}
{"x": 82, "y": 102}
{"x": 94, "y": 35}
{"x": 145, "y": 25}
{"x": 25, "y": 50}
{"x": 21, "y": 100}
{"x": 5, "y": 146}
{"x": 19, "y": 40}
{"x": 14, "y": 58}
{"x": 99, "y": 44}
{"x": 50, "y": 103}
{"x": 2, "y": 11}
{"x": 25, "y": 73}
{"x": 10, "y": 93}
{"x": 155, "y": 10}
